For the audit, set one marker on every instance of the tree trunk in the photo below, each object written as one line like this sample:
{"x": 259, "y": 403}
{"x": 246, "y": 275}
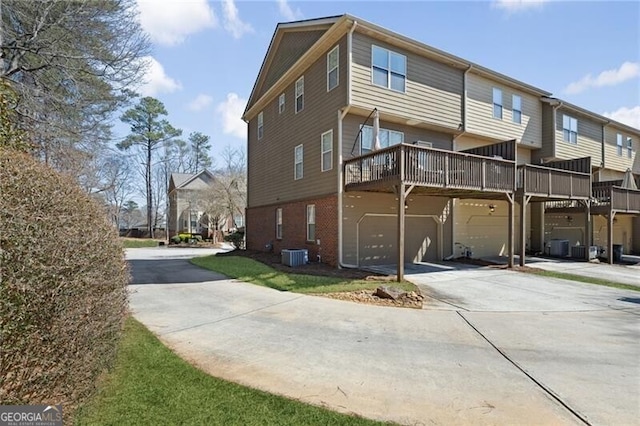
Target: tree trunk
{"x": 149, "y": 193}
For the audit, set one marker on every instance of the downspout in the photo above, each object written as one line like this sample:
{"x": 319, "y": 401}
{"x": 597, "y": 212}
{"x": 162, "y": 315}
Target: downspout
{"x": 454, "y": 147}
{"x": 602, "y": 152}
{"x": 555, "y": 126}
{"x": 341, "y": 114}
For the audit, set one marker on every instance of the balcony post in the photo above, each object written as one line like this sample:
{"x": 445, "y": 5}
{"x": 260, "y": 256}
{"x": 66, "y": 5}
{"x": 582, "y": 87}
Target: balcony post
{"x": 401, "y": 201}
{"x": 610, "y": 218}
{"x": 588, "y": 237}
{"x": 511, "y": 242}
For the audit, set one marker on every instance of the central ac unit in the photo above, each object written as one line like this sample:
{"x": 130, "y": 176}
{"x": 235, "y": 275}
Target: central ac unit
{"x": 295, "y": 257}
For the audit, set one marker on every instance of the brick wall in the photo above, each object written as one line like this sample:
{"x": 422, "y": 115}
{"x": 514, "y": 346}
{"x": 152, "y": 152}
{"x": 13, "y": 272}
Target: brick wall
{"x": 261, "y": 228}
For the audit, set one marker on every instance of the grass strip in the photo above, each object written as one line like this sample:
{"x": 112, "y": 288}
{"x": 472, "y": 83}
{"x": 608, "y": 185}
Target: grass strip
{"x": 151, "y": 385}
{"x": 138, "y": 242}
{"x": 252, "y": 271}
{"x": 584, "y": 279}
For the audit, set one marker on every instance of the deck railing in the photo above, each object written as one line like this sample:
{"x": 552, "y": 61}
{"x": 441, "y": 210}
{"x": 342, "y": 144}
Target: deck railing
{"x": 620, "y": 199}
{"x": 431, "y": 167}
{"x": 550, "y": 182}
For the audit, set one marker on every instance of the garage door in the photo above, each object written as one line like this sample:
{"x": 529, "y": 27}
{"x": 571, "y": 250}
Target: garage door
{"x": 377, "y": 240}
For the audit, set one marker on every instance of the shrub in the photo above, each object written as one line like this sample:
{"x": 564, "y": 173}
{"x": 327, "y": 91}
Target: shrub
{"x": 63, "y": 293}
{"x": 236, "y": 239}
{"x": 176, "y": 239}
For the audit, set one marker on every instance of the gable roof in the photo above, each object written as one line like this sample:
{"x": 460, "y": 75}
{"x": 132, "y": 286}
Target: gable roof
{"x": 182, "y": 180}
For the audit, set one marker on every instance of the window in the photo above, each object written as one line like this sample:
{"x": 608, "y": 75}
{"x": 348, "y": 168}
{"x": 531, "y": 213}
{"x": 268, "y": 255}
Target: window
{"x": 332, "y": 68}
{"x": 629, "y": 148}
{"x": 517, "y": 109}
{"x": 388, "y": 69}
{"x": 497, "y": 103}
{"x": 297, "y": 173}
{"x": 279, "y": 223}
{"x": 300, "y": 94}
{"x": 260, "y": 125}
{"x": 387, "y": 138}
{"x": 281, "y": 104}
{"x": 311, "y": 222}
{"x": 327, "y": 150}
{"x": 569, "y": 129}
{"x": 619, "y": 143}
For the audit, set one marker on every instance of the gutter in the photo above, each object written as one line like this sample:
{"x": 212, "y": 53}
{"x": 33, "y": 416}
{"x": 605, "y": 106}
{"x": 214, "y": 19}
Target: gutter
{"x": 341, "y": 115}
{"x": 602, "y": 162}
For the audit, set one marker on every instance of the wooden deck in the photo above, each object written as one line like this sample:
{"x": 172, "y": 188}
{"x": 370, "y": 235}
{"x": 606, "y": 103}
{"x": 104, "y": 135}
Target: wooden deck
{"x": 607, "y": 196}
{"x": 547, "y": 183}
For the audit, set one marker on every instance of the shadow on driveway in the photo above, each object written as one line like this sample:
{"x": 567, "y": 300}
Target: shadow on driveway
{"x": 169, "y": 271}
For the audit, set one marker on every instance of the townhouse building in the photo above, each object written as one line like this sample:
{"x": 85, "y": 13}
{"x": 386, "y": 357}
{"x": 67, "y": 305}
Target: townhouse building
{"x": 366, "y": 148}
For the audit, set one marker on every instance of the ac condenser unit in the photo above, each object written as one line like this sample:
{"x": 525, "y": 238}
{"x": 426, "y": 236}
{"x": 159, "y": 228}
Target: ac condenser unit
{"x": 295, "y": 257}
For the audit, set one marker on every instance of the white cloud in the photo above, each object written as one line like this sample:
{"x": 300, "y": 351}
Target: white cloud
{"x": 628, "y": 116}
{"x": 232, "y": 21}
{"x": 627, "y": 71}
{"x": 515, "y": 6}
{"x": 169, "y": 22}
{"x": 230, "y": 111}
{"x": 289, "y": 13}
{"x": 156, "y": 81}
{"x": 200, "y": 102}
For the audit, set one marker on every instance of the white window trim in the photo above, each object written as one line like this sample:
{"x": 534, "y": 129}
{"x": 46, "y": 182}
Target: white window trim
{"x": 513, "y": 109}
{"x": 260, "y": 125}
{"x": 281, "y": 103}
{"x": 619, "y": 145}
{"x": 494, "y": 104}
{"x": 381, "y": 131}
{"x": 295, "y": 162}
{"x": 311, "y": 207}
{"x": 337, "y": 67}
{"x": 279, "y": 223}
{"x": 569, "y": 129}
{"x": 323, "y": 167}
{"x": 388, "y": 86}
{"x": 299, "y": 94}
{"x": 629, "y": 147}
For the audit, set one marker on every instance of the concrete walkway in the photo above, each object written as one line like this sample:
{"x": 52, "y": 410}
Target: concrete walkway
{"x": 489, "y": 349}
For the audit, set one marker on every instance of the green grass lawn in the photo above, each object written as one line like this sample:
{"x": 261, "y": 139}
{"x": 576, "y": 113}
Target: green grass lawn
{"x": 251, "y": 271}
{"x": 138, "y": 242}
{"x": 150, "y": 385}
{"x": 583, "y": 279}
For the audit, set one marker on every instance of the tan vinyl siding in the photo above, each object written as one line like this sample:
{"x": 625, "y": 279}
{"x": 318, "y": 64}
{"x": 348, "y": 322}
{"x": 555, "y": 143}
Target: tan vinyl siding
{"x": 548, "y": 142}
{"x": 433, "y": 90}
{"x": 271, "y": 159}
{"x": 611, "y": 158}
{"x": 292, "y": 46}
{"x": 589, "y": 139}
{"x": 351, "y": 126}
{"x": 480, "y": 113}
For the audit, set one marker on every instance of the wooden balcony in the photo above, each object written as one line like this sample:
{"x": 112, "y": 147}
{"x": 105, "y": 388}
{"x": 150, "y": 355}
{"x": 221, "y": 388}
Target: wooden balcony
{"x": 548, "y": 183}
{"x": 447, "y": 173}
{"x": 607, "y": 196}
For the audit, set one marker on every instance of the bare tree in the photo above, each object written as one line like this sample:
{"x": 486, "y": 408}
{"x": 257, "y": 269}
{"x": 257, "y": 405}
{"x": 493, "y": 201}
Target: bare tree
{"x": 116, "y": 184}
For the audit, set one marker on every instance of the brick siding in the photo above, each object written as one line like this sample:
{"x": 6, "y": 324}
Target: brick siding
{"x": 261, "y": 228}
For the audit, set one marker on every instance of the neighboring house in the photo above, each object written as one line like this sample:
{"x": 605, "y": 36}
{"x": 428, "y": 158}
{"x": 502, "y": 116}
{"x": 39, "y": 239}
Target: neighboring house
{"x": 460, "y": 149}
{"x": 189, "y": 203}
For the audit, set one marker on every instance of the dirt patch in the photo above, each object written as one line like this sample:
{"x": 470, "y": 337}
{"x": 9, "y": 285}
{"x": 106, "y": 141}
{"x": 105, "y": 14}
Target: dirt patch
{"x": 412, "y": 300}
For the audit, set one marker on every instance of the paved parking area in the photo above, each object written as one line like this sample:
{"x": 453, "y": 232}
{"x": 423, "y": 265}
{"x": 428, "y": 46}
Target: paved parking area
{"x": 491, "y": 346}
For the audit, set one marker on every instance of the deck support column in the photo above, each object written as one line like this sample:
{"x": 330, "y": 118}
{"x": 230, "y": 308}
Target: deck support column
{"x": 401, "y": 224}
{"x": 610, "y": 218}
{"x": 511, "y": 243}
{"x": 523, "y": 228}
{"x": 588, "y": 229}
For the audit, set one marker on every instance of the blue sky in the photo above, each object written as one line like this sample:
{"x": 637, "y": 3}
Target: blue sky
{"x": 207, "y": 54}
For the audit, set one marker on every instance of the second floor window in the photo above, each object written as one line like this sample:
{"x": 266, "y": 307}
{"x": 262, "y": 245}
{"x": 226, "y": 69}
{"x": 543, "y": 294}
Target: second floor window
{"x": 388, "y": 69}
{"x": 332, "y": 68}
{"x": 569, "y": 129}
{"x": 281, "y": 104}
{"x": 497, "y": 103}
{"x": 279, "y": 223}
{"x": 298, "y": 156}
{"x": 517, "y": 109}
{"x": 386, "y": 137}
{"x": 260, "y": 126}
{"x": 629, "y": 147}
{"x": 327, "y": 150}
{"x": 619, "y": 143}
{"x": 300, "y": 94}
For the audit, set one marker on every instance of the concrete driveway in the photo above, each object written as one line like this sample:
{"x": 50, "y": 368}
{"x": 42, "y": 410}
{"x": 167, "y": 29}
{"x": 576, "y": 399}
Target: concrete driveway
{"x": 492, "y": 347}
